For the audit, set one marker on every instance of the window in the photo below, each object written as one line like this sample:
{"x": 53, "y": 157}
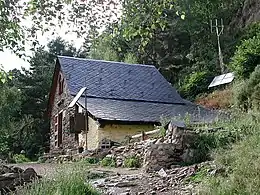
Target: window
{"x": 56, "y": 123}
{"x": 61, "y": 84}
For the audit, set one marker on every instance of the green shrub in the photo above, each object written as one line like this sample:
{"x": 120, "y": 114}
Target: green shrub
{"x": 247, "y": 93}
{"x": 233, "y": 130}
{"x": 20, "y": 158}
{"x": 90, "y": 160}
{"x": 242, "y": 163}
{"x": 132, "y": 162}
{"x": 108, "y": 162}
{"x": 195, "y": 84}
{"x": 246, "y": 57}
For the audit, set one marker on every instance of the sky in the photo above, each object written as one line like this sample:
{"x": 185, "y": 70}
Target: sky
{"x": 9, "y": 60}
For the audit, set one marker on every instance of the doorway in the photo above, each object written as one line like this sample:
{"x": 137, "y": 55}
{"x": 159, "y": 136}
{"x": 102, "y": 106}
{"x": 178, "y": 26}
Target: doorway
{"x": 60, "y": 130}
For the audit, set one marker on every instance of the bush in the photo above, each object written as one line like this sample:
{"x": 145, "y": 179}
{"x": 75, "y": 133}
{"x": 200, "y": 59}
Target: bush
{"x": 20, "y": 158}
{"x": 90, "y": 160}
{"x": 132, "y": 162}
{"x": 195, "y": 84}
{"x": 242, "y": 163}
{"x": 247, "y": 93}
{"x": 247, "y": 57}
{"x": 108, "y": 162}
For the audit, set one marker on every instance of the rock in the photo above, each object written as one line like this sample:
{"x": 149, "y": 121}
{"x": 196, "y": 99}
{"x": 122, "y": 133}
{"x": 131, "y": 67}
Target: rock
{"x": 125, "y": 184}
{"x": 162, "y": 173}
{"x": 4, "y": 169}
{"x": 160, "y": 140}
{"x": 16, "y": 177}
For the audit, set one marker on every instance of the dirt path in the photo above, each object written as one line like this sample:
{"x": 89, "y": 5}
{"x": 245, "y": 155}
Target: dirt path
{"x": 48, "y": 169}
{"x": 122, "y": 180}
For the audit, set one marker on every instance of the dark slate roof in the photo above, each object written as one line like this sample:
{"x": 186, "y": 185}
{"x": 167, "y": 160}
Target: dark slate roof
{"x": 116, "y": 80}
{"x": 121, "y": 110}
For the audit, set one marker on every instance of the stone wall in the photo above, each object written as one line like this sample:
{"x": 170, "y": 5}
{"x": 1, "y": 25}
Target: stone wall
{"x": 175, "y": 148}
{"x": 68, "y": 139}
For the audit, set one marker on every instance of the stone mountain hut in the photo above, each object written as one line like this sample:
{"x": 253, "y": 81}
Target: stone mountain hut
{"x": 122, "y": 100}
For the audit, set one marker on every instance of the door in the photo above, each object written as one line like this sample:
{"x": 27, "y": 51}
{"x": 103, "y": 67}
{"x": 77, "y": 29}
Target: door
{"x": 60, "y": 130}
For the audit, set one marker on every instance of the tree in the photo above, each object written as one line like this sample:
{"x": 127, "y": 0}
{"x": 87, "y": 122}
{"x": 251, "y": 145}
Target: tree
{"x": 169, "y": 36}
{"x": 80, "y": 16}
{"x": 247, "y": 57}
{"x": 10, "y": 105}
{"x": 34, "y": 85}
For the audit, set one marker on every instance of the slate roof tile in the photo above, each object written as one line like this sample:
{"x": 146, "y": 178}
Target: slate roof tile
{"x": 127, "y": 92}
{"x": 122, "y": 110}
{"x": 117, "y": 80}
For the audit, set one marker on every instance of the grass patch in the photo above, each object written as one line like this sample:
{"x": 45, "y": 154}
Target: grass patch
{"x": 90, "y": 160}
{"x": 68, "y": 181}
{"x": 241, "y": 161}
{"x": 132, "y": 162}
{"x": 20, "y": 158}
{"x": 108, "y": 162}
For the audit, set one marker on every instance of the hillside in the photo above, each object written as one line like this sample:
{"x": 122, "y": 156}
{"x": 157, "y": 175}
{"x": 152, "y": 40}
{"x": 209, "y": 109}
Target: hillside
{"x": 248, "y": 13}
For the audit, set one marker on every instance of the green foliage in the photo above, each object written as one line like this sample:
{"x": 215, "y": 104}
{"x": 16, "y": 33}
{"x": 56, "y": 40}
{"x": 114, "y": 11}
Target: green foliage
{"x": 130, "y": 58}
{"x": 132, "y": 162}
{"x": 48, "y": 16}
{"x": 242, "y": 166}
{"x": 247, "y": 57}
{"x": 20, "y": 158}
{"x": 199, "y": 176}
{"x": 194, "y": 84}
{"x": 162, "y": 131}
{"x": 90, "y": 160}
{"x": 247, "y": 92}
{"x": 102, "y": 50}
{"x": 108, "y": 162}
{"x": 23, "y": 101}
{"x": 66, "y": 183}
{"x": 228, "y": 132}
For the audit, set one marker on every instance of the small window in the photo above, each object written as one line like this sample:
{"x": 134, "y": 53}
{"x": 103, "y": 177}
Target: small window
{"x": 61, "y": 85}
{"x": 56, "y": 123}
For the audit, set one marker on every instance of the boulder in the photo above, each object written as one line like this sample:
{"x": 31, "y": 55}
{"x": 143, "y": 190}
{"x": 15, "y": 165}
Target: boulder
{"x": 13, "y": 177}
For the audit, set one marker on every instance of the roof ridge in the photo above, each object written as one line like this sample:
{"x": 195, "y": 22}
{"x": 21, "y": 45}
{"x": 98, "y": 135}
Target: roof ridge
{"x": 133, "y": 100}
{"x": 122, "y": 63}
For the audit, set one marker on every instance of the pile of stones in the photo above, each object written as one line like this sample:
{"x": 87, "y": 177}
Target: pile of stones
{"x": 173, "y": 149}
{"x": 13, "y": 177}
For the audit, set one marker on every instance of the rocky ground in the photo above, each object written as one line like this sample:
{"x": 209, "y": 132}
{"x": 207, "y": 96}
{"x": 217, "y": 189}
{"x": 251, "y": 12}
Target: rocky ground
{"x": 159, "y": 158}
{"x": 124, "y": 181}
{"x": 165, "y": 182}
